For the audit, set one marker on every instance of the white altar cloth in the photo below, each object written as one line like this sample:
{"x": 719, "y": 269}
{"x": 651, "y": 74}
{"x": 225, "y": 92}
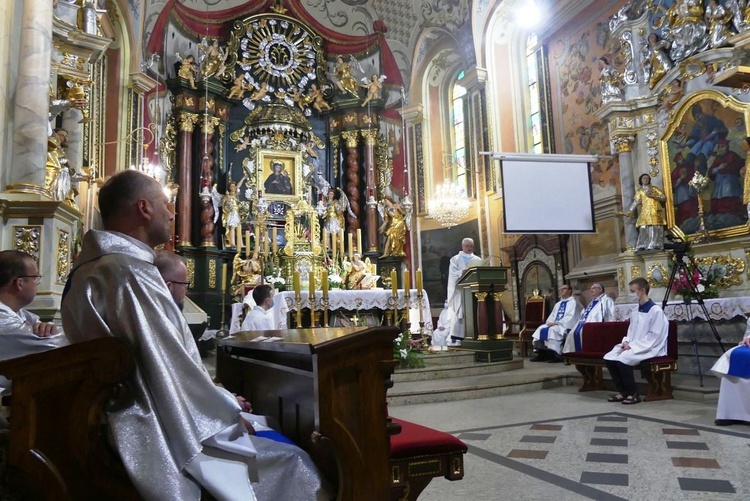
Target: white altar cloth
{"x": 723, "y": 308}
{"x": 370, "y": 299}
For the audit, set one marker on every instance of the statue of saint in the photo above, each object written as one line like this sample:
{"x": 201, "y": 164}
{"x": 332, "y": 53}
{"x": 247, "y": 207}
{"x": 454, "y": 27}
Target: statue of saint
{"x": 230, "y": 216}
{"x": 609, "y": 80}
{"x": 394, "y": 228}
{"x": 659, "y": 61}
{"x": 245, "y": 272}
{"x": 345, "y": 82}
{"x": 650, "y": 223}
{"x": 718, "y": 19}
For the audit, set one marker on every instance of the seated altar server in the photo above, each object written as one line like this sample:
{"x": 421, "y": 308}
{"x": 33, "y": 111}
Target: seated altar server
{"x": 259, "y": 319}
{"x": 441, "y": 334}
{"x": 180, "y": 424}
{"x": 548, "y": 338}
{"x": 646, "y": 338}
{"x": 734, "y": 393}
{"x": 21, "y": 332}
{"x": 600, "y": 309}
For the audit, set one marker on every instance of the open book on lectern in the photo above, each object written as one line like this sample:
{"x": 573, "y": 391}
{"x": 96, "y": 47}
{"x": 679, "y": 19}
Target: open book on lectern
{"x": 546, "y": 193}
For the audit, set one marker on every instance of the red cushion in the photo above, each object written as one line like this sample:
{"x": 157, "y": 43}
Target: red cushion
{"x": 417, "y": 440}
{"x": 586, "y": 354}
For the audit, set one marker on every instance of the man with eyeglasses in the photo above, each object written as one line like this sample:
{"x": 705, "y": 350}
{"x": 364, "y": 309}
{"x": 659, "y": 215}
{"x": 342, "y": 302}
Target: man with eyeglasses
{"x": 549, "y": 337}
{"x": 179, "y": 423}
{"x": 600, "y": 309}
{"x": 21, "y": 332}
{"x": 173, "y": 270}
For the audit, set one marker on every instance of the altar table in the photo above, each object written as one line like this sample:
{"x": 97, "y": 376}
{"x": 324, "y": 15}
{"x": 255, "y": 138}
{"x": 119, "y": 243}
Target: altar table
{"x": 724, "y": 308}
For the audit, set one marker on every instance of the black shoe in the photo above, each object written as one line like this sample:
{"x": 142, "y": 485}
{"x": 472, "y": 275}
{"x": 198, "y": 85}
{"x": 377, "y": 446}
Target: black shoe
{"x": 538, "y": 357}
{"x": 729, "y": 422}
{"x": 556, "y": 359}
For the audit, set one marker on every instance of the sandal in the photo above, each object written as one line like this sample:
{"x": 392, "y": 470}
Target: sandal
{"x": 617, "y": 397}
{"x": 632, "y": 399}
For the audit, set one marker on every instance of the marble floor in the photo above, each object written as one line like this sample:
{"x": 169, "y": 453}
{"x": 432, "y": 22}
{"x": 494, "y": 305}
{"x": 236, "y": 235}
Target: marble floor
{"x": 563, "y": 445}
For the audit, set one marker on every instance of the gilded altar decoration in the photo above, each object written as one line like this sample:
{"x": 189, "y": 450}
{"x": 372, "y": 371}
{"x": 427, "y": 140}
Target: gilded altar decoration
{"x": 213, "y": 59}
{"x": 212, "y": 274}
{"x": 657, "y": 275}
{"x": 190, "y": 265}
{"x": 343, "y": 79}
{"x": 609, "y": 82}
{"x": 621, "y": 278}
{"x": 374, "y": 87}
{"x": 704, "y": 140}
{"x": 725, "y": 271}
{"x": 687, "y": 31}
{"x": 658, "y": 62}
{"x": 650, "y": 222}
{"x": 635, "y": 271}
{"x": 245, "y": 272}
{"x": 27, "y": 239}
{"x": 188, "y": 69}
{"x": 63, "y": 256}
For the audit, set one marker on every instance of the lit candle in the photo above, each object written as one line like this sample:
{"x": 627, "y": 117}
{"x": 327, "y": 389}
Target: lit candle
{"x": 275, "y": 240}
{"x": 419, "y": 281}
{"x": 407, "y": 283}
{"x": 224, "y": 277}
{"x": 394, "y": 282}
{"x": 325, "y": 283}
{"x": 296, "y": 283}
{"x": 265, "y": 245}
{"x": 359, "y": 240}
{"x": 257, "y": 239}
{"x": 349, "y": 241}
{"x": 311, "y": 282}
{"x": 341, "y": 243}
{"x": 247, "y": 243}
{"x": 333, "y": 246}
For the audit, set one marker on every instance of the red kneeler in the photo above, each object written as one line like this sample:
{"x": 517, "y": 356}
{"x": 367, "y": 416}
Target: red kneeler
{"x": 418, "y": 454}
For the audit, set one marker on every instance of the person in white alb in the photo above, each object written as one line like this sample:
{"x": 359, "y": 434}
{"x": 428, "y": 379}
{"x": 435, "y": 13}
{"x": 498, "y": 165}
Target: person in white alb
{"x": 600, "y": 309}
{"x": 464, "y": 259}
{"x": 646, "y": 338}
{"x": 258, "y": 319}
{"x": 734, "y": 393}
{"x": 442, "y": 333}
{"x": 548, "y": 338}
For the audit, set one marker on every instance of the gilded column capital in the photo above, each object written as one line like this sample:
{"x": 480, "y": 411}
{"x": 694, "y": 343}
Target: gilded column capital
{"x": 208, "y": 124}
{"x": 187, "y": 121}
{"x": 623, "y": 144}
{"x": 370, "y": 136}
{"x": 481, "y": 296}
{"x": 496, "y": 296}
{"x": 335, "y": 140}
{"x": 350, "y": 138}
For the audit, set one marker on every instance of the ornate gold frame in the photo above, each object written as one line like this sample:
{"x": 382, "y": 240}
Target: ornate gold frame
{"x": 653, "y": 282}
{"x": 263, "y": 159}
{"x": 726, "y": 102}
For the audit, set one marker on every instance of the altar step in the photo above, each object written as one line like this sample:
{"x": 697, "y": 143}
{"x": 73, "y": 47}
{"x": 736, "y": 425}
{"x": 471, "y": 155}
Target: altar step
{"x": 451, "y": 382}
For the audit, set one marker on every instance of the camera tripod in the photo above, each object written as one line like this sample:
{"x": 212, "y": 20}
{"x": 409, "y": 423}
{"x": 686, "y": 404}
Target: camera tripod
{"x": 689, "y": 269}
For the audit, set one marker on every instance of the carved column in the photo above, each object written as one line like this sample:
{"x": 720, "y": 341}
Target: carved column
{"x": 187, "y": 123}
{"x": 483, "y": 326}
{"x": 208, "y": 128}
{"x": 335, "y": 142}
{"x": 31, "y": 111}
{"x": 499, "y": 316}
{"x": 371, "y": 138}
{"x": 352, "y": 178}
{"x": 623, "y": 147}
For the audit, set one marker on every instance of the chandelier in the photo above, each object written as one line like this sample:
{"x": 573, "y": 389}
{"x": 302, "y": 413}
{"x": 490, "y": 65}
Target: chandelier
{"x": 449, "y": 205}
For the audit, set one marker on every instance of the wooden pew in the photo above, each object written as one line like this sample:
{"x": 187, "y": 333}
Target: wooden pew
{"x": 600, "y": 337}
{"x": 57, "y": 445}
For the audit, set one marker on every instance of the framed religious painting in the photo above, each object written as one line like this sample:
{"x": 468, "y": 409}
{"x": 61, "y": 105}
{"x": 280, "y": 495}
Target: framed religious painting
{"x": 279, "y": 175}
{"x": 703, "y": 159}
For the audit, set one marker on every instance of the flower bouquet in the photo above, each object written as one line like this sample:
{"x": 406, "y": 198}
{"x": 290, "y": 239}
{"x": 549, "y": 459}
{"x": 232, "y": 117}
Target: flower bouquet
{"x": 276, "y": 281}
{"x": 406, "y": 351}
{"x": 704, "y": 279}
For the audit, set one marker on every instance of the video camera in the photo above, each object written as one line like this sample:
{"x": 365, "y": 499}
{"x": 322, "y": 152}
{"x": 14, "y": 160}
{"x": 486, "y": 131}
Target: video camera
{"x": 679, "y": 246}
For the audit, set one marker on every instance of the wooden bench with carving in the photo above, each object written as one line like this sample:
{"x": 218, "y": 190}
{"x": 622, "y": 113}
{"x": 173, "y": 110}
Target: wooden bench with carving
{"x": 600, "y": 337}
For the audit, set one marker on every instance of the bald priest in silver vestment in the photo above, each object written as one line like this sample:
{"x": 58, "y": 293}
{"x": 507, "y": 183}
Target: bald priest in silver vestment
{"x": 181, "y": 432}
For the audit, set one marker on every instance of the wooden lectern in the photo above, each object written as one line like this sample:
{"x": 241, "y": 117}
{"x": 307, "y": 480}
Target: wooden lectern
{"x": 326, "y": 388}
{"x": 480, "y": 288}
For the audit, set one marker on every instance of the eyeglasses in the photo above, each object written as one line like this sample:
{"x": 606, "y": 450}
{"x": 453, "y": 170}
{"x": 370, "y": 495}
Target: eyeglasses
{"x": 186, "y": 284}
{"x": 37, "y": 278}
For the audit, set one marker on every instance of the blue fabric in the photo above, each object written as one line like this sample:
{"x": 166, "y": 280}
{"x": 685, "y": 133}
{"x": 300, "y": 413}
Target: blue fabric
{"x": 561, "y": 311}
{"x": 645, "y": 307}
{"x": 275, "y": 436}
{"x": 577, "y": 336}
{"x": 739, "y": 362}
{"x": 544, "y": 333}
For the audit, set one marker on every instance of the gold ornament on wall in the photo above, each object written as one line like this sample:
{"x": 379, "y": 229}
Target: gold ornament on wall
{"x": 635, "y": 271}
{"x": 27, "y": 239}
{"x": 731, "y": 268}
{"x": 63, "y": 256}
{"x": 212, "y": 274}
{"x": 190, "y": 265}
{"x": 657, "y": 275}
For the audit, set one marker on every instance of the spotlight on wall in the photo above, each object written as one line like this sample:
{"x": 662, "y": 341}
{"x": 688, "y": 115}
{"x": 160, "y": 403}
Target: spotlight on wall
{"x": 528, "y": 14}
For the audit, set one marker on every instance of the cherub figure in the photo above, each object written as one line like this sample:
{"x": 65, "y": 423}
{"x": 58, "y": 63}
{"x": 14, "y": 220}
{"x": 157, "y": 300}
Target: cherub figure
{"x": 188, "y": 69}
{"x": 318, "y": 99}
{"x": 373, "y": 86}
{"x": 238, "y": 88}
{"x": 260, "y": 93}
{"x": 244, "y": 144}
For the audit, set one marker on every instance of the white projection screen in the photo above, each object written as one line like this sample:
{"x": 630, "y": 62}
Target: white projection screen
{"x": 547, "y": 193}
